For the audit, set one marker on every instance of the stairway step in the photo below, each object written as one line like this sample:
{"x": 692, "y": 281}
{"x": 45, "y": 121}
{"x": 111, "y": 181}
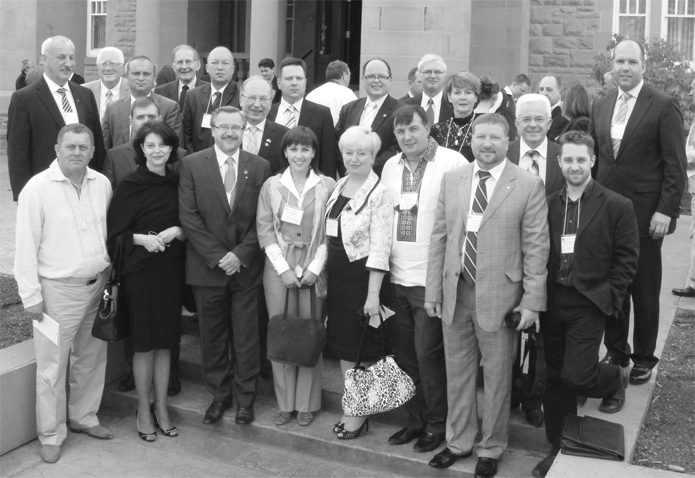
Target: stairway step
{"x": 370, "y": 451}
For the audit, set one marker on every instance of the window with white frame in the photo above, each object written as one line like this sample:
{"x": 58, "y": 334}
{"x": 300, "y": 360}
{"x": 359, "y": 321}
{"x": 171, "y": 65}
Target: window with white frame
{"x": 631, "y": 18}
{"x": 96, "y": 26}
{"x": 679, "y": 26}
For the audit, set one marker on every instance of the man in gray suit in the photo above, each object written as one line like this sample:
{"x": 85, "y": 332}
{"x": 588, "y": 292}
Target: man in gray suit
{"x": 110, "y": 86}
{"x": 488, "y": 255}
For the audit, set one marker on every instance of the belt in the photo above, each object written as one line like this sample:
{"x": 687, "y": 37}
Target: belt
{"x": 78, "y": 280}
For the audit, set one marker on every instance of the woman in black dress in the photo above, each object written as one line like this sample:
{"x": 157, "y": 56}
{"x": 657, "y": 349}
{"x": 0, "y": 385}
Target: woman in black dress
{"x": 463, "y": 91}
{"x": 144, "y": 215}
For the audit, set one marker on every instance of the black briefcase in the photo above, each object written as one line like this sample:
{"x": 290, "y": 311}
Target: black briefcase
{"x": 593, "y": 438}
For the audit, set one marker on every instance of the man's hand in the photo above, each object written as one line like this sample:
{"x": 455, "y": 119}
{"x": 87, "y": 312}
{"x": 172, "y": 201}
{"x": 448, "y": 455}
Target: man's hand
{"x": 230, "y": 264}
{"x": 434, "y": 309}
{"x": 528, "y": 317}
{"x": 35, "y": 311}
{"x": 658, "y": 227}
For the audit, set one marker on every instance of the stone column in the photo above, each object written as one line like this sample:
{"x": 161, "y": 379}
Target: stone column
{"x": 147, "y": 29}
{"x": 265, "y": 18}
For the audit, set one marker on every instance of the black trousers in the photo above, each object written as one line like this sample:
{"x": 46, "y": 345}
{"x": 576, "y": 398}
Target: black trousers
{"x": 528, "y": 399}
{"x": 419, "y": 349}
{"x": 644, "y": 291}
{"x": 572, "y": 332}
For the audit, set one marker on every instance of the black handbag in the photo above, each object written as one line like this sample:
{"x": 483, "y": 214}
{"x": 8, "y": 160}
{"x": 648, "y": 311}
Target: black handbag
{"x": 593, "y": 438}
{"x": 111, "y": 323}
{"x": 296, "y": 340}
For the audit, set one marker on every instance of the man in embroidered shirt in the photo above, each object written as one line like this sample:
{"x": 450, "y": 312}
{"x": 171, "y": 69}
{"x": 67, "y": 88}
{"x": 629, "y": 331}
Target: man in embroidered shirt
{"x": 413, "y": 179}
{"x": 60, "y": 264}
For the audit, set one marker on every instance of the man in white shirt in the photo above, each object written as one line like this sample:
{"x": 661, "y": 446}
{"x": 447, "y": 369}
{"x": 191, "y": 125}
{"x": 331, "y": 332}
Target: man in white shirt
{"x": 110, "y": 85}
{"x": 413, "y": 178}
{"x": 186, "y": 63}
{"x": 432, "y": 71}
{"x": 335, "y": 92}
{"x": 60, "y": 267}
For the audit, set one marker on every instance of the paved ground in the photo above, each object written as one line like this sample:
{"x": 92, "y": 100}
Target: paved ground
{"x": 8, "y": 216}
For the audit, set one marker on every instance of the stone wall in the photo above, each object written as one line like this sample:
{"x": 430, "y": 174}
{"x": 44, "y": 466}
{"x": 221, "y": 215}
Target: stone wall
{"x": 120, "y": 31}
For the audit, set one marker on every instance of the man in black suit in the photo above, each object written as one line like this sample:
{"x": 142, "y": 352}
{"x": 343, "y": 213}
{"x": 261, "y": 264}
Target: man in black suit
{"x": 593, "y": 257}
{"x": 38, "y": 112}
{"x": 218, "y": 195}
{"x": 294, "y": 110}
{"x": 267, "y": 67}
{"x": 551, "y": 88}
{"x": 641, "y": 154}
{"x": 375, "y": 111}
{"x": 533, "y": 152}
{"x": 202, "y": 101}
{"x": 261, "y": 136}
{"x": 414, "y": 85}
{"x": 432, "y": 72}
{"x": 186, "y": 63}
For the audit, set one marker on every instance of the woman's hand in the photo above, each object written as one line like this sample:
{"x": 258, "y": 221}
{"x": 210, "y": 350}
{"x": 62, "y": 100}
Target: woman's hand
{"x": 308, "y": 278}
{"x": 371, "y": 306}
{"x": 289, "y": 278}
{"x": 171, "y": 233}
{"x": 149, "y": 241}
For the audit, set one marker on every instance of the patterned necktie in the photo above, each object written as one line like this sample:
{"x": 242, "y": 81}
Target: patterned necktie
{"x": 292, "y": 120}
{"x": 533, "y": 154}
{"x": 182, "y": 97}
{"x": 369, "y": 114}
{"x": 66, "y": 104}
{"x": 430, "y": 111}
{"x": 471, "y": 248}
{"x": 251, "y": 145}
{"x": 215, "y": 102}
{"x": 109, "y": 97}
{"x": 620, "y": 118}
{"x": 229, "y": 180}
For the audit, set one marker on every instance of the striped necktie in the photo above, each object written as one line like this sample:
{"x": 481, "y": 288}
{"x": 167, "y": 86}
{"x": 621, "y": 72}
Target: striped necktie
{"x": 292, "y": 119}
{"x": 471, "y": 247}
{"x": 368, "y": 115}
{"x": 620, "y": 118}
{"x": 66, "y": 104}
{"x": 533, "y": 154}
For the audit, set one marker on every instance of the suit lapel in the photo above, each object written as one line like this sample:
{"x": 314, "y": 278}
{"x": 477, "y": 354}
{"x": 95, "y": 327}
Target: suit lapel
{"x": 228, "y": 94}
{"x": 552, "y": 169}
{"x": 306, "y": 114}
{"x": 356, "y": 112}
{"x": 123, "y": 113}
{"x": 466, "y": 181}
{"x": 242, "y": 178}
{"x": 204, "y": 99}
{"x": 606, "y": 116}
{"x": 79, "y": 104}
{"x": 130, "y": 156}
{"x": 382, "y": 114}
{"x": 503, "y": 188}
{"x": 556, "y": 217}
{"x": 48, "y": 101}
{"x": 644, "y": 101}
{"x": 589, "y": 209}
{"x": 213, "y": 170}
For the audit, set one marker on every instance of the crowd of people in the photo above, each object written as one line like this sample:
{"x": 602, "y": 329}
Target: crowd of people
{"x": 461, "y": 206}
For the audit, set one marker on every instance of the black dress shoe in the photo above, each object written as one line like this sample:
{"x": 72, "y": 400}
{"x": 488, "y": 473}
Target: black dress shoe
{"x": 215, "y": 411}
{"x": 406, "y": 435}
{"x": 446, "y": 458}
{"x": 687, "y": 292}
{"x": 127, "y": 383}
{"x": 615, "y": 402}
{"x": 244, "y": 414}
{"x": 486, "y": 467}
{"x": 174, "y": 386}
{"x": 610, "y": 360}
{"x": 428, "y": 442}
{"x": 640, "y": 374}
{"x": 535, "y": 417}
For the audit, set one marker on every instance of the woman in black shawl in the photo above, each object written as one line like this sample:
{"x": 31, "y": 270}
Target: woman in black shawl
{"x": 144, "y": 215}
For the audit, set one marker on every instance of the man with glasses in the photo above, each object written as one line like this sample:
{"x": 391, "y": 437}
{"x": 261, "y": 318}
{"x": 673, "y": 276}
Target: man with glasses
{"x": 186, "y": 64}
{"x": 110, "y": 85}
{"x": 218, "y": 195}
{"x": 433, "y": 100}
{"x": 375, "y": 111}
{"x": 204, "y": 100}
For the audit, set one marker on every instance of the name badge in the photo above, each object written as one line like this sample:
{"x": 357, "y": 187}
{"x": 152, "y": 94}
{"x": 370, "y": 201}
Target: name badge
{"x": 332, "y": 227}
{"x": 292, "y": 215}
{"x": 71, "y": 118}
{"x": 206, "y": 121}
{"x": 567, "y": 243}
{"x": 408, "y": 200}
{"x": 473, "y": 223}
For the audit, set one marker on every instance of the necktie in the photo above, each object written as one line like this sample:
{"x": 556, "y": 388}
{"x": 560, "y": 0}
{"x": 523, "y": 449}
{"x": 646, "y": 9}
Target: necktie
{"x": 471, "y": 248}
{"x": 229, "y": 180}
{"x": 430, "y": 111}
{"x": 292, "y": 118}
{"x": 109, "y": 97}
{"x": 182, "y": 98}
{"x": 66, "y": 104}
{"x": 369, "y": 114}
{"x": 620, "y": 118}
{"x": 251, "y": 145}
{"x": 533, "y": 154}
{"x": 215, "y": 102}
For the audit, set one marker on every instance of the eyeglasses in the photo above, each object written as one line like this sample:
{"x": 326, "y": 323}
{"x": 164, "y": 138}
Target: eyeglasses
{"x": 253, "y": 99}
{"x": 433, "y": 72}
{"x": 109, "y": 64}
{"x": 227, "y": 129}
{"x": 371, "y": 78}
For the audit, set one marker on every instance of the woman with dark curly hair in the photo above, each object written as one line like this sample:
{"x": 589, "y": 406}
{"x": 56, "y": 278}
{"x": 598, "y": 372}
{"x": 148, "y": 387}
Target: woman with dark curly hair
{"x": 494, "y": 100}
{"x": 576, "y": 107}
{"x": 144, "y": 215}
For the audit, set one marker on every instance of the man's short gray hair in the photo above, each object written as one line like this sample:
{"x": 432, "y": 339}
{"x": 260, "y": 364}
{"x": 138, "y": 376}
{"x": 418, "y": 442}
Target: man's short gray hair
{"x": 256, "y": 77}
{"x": 111, "y": 49}
{"x": 532, "y": 98}
{"x": 430, "y": 58}
{"x": 49, "y": 40}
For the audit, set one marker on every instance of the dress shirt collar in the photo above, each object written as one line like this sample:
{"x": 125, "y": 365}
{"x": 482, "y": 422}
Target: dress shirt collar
{"x": 287, "y": 181}
{"x": 260, "y": 126}
{"x": 437, "y": 99}
{"x": 191, "y": 84}
{"x": 115, "y": 90}
{"x": 132, "y": 98}
{"x": 496, "y": 172}
{"x": 56, "y": 174}
{"x": 379, "y": 102}
{"x": 53, "y": 86}
{"x": 634, "y": 93}
{"x": 428, "y": 155}
{"x": 542, "y": 148}
{"x": 298, "y": 105}
{"x": 214, "y": 90}
{"x": 222, "y": 156}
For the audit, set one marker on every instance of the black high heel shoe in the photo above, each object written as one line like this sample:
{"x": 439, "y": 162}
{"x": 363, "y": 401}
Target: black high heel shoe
{"x": 350, "y": 435}
{"x": 338, "y": 427}
{"x": 171, "y": 433}
{"x": 148, "y": 437}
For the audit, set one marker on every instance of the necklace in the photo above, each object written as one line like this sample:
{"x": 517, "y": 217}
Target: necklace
{"x": 299, "y": 184}
{"x": 460, "y": 136}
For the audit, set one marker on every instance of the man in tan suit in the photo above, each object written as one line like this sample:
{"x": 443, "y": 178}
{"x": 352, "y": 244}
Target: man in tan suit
{"x": 488, "y": 255}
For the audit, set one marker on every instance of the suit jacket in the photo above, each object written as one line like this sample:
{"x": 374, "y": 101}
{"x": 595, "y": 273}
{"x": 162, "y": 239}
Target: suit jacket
{"x": 318, "y": 118}
{"x": 513, "y": 246}
{"x": 445, "y": 112}
{"x": 116, "y": 124}
{"x": 554, "y": 180}
{"x": 650, "y": 166}
{"x": 212, "y": 229}
{"x": 382, "y": 125}
{"x": 95, "y": 86}
{"x": 606, "y": 248}
{"x": 558, "y": 124}
{"x": 270, "y": 149}
{"x": 171, "y": 90}
{"x": 195, "y": 137}
{"x": 120, "y": 162}
{"x": 33, "y": 123}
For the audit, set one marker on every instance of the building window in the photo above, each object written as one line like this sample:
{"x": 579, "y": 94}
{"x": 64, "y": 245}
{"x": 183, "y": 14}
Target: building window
{"x": 679, "y": 26}
{"x": 96, "y": 27}
{"x": 631, "y": 18}
{"x": 289, "y": 31}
